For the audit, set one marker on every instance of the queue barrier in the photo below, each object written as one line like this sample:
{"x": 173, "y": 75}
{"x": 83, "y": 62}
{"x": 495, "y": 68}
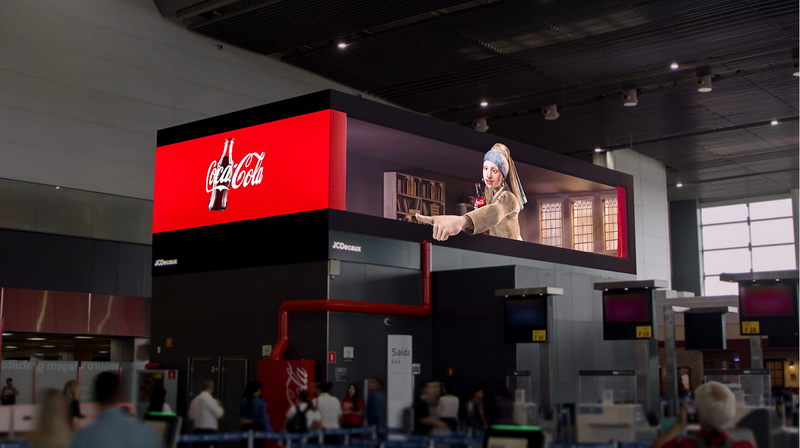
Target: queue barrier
{"x": 456, "y": 438}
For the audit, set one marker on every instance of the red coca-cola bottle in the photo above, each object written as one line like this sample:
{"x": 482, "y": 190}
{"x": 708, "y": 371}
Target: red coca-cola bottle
{"x": 223, "y": 173}
{"x": 480, "y": 199}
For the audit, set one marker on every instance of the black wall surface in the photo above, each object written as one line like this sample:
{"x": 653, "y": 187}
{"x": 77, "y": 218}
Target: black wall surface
{"x": 32, "y": 260}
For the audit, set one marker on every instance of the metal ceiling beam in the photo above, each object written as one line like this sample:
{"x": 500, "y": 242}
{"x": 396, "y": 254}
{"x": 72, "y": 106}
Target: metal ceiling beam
{"x": 201, "y": 8}
{"x": 437, "y": 15}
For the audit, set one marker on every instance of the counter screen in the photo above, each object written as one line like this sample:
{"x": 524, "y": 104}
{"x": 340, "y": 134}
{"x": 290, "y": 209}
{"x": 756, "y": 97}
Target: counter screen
{"x": 625, "y": 308}
{"x": 767, "y": 300}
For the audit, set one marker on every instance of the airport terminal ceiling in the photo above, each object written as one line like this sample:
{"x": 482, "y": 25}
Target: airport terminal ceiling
{"x": 443, "y": 58}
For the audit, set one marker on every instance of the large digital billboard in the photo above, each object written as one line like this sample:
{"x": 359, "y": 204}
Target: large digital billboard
{"x": 286, "y": 166}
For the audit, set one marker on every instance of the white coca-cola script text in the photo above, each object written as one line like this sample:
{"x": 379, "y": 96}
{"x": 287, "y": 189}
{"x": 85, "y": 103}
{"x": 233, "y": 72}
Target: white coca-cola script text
{"x": 235, "y": 175}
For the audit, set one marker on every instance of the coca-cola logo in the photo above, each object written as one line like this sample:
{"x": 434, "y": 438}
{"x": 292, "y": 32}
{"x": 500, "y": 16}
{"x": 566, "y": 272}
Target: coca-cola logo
{"x": 296, "y": 383}
{"x": 247, "y": 172}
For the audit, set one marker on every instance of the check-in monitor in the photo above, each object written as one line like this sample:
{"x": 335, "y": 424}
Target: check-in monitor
{"x": 167, "y": 427}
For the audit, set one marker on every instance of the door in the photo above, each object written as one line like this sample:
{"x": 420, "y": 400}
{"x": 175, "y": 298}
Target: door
{"x": 201, "y": 369}
{"x": 233, "y": 376}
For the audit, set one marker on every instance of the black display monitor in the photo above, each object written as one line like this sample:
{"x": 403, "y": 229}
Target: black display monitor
{"x": 768, "y": 307}
{"x": 166, "y": 426}
{"x": 705, "y": 331}
{"x": 628, "y": 314}
{"x": 526, "y": 319}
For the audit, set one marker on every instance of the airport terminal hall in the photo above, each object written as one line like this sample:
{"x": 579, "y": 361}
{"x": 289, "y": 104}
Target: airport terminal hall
{"x": 399, "y": 223}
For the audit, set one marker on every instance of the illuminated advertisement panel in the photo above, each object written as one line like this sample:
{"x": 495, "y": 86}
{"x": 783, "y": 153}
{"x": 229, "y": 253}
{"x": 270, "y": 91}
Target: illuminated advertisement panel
{"x": 286, "y": 166}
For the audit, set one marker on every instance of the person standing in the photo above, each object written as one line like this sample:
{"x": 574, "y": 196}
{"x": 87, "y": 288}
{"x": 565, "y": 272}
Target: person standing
{"x": 253, "y": 410}
{"x": 426, "y": 418}
{"x": 476, "y": 418}
{"x": 448, "y": 406}
{"x": 51, "y": 430}
{"x": 330, "y": 408}
{"x": 352, "y": 408}
{"x": 9, "y": 393}
{"x": 113, "y": 427}
{"x": 205, "y": 412}
{"x": 504, "y": 405}
{"x": 376, "y": 404}
{"x": 72, "y": 391}
{"x": 158, "y": 401}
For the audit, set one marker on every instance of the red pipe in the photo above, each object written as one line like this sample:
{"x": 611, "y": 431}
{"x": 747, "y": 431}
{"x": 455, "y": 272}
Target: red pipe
{"x": 349, "y": 306}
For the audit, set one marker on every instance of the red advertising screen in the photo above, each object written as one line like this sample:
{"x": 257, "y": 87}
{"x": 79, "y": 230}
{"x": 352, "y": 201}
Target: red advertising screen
{"x": 626, "y": 308}
{"x": 767, "y": 300}
{"x": 287, "y": 166}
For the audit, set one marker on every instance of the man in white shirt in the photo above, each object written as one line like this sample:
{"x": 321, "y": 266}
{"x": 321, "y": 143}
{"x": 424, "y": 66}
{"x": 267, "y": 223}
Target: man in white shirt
{"x": 205, "y": 412}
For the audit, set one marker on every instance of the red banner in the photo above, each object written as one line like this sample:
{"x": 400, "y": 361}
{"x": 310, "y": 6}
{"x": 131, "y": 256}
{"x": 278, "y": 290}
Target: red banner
{"x": 287, "y": 166}
{"x": 281, "y": 382}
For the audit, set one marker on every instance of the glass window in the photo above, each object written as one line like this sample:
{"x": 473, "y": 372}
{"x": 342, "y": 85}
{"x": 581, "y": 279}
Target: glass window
{"x": 773, "y": 258}
{"x": 771, "y": 209}
{"x": 728, "y": 213}
{"x": 582, "y": 226}
{"x": 774, "y": 231}
{"x": 731, "y": 261}
{"x": 552, "y": 223}
{"x": 715, "y": 287}
{"x": 610, "y": 224}
{"x": 750, "y": 237}
{"x": 726, "y": 235}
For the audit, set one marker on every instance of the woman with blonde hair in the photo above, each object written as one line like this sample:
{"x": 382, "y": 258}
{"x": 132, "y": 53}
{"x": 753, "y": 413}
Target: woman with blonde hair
{"x": 72, "y": 390}
{"x": 52, "y": 430}
{"x": 505, "y": 198}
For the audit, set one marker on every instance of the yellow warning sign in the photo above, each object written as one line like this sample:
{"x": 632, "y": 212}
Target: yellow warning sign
{"x": 539, "y": 335}
{"x": 750, "y": 327}
{"x": 644, "y": 332}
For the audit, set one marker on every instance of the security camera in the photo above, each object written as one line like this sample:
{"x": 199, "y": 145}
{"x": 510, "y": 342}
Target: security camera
{"x": 219, "y": 47}
{"x": 479, "y": 124}
{"x": 387, "y": 321}
{"x": 550, "y": 112}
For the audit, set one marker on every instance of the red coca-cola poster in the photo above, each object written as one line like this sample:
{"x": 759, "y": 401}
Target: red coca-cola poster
{"x": 287, "y": 166}
{"x": 281, "y": 381}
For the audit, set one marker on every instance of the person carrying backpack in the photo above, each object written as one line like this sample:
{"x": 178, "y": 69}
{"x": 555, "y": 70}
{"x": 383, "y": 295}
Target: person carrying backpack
{"x": 303, "y": 416}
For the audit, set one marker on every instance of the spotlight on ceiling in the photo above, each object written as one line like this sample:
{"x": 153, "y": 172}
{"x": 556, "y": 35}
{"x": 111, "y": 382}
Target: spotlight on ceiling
{"x": 774, "y": 122}
{"x": 598, "y": 150}
{"x": 480, "y": 125}
{"x": 342, "y": 45}
{"x": 796, "y": 65}
{"x": 550, "y": 112}
{"x": 679, "y": 185}
{"x": 674, "y": 66}
{"x": 484, "y": 103}
{"x": 629, "y": 98}
{"x": 703, "y": 83}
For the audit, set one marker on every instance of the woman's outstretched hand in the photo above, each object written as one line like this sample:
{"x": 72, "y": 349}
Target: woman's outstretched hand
{"x": 445, "y": 226}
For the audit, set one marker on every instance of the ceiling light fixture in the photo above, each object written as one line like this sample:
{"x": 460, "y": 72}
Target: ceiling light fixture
{"x": 342, "y": 45}
{"x": 84, "y": 337}
{"x": 679, "y": 185}
{"x": 484, "y": 103}
{"x": 8, "y": 334}
{"x": 674, "y": 66}
{"x": 703, "y": 83}
{"x": 598, "y": 150}
{"x": 774, "y": 122}
{"x": 48, "y": 346}
{"x": 550, "y": 112}
{"x": 103, "y": 351}
{"x": 629, "y": 98}
{"x": 37, "y": 339}
{"x": 10, "y": 346}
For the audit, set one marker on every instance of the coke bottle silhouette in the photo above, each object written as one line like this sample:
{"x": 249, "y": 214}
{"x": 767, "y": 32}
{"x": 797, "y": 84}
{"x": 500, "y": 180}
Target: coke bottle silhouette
{"x": 222, "y": 179}
{"x": 480, "y": 200}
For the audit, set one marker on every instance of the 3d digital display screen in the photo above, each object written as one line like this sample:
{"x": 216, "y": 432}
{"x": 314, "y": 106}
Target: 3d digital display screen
{"x": 286, "y": 166}
{"x": 626, "y": 307}
{"x": 761, "y": 300}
